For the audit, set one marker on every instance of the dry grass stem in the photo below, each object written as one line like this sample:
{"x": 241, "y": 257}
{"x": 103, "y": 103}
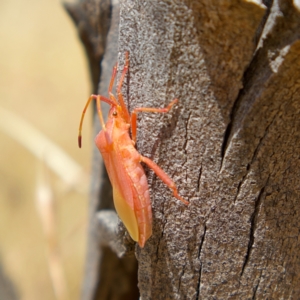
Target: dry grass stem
{"x": 39, "y": 145}
{"x": 46, "y": 209}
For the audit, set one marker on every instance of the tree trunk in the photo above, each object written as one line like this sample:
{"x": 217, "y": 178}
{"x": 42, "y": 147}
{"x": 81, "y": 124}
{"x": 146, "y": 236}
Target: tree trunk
{"x": 231, "y": 145}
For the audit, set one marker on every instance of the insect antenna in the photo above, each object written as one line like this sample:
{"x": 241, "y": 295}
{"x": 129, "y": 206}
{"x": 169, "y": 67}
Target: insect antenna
{"x": 98, "y": 98}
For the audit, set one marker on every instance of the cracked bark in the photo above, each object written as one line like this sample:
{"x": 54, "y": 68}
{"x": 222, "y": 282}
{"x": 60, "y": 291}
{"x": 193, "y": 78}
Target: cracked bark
{"x": 253, "y": 220}
{"x": 231, "y": 144}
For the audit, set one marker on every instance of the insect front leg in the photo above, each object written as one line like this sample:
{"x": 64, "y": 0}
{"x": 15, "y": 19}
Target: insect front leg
{"x": 163, "y": 176}
{"x": 120, "y": 96}
{"x": 147, "y": 109}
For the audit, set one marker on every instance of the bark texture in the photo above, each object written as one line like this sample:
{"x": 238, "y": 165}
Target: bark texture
{"x": 231, "y": 145}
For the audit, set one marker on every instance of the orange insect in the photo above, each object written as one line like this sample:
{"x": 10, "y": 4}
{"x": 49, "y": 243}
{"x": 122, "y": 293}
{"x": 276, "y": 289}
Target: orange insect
{"x": 123, "y": 161}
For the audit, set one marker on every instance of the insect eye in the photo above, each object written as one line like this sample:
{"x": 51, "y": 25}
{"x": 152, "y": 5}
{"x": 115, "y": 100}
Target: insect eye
{"x": 114, "y": 114}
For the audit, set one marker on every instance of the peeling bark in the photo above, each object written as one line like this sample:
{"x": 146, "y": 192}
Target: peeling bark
{"x": 231, "y": 145}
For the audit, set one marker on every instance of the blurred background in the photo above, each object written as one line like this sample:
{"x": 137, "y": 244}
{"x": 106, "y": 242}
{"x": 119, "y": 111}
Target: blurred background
{"x": 44, "y": 83}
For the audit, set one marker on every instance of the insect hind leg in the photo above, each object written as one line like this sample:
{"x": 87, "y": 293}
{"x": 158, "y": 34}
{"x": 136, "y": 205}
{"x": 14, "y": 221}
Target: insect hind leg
{"x": 163, "y": 176}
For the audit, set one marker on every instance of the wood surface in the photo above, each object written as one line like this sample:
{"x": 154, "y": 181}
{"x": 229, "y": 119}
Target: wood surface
{"x": 232, "y": 145}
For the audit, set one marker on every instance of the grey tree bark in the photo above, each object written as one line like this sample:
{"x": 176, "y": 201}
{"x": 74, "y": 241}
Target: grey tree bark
{"x": 232, "y": 146}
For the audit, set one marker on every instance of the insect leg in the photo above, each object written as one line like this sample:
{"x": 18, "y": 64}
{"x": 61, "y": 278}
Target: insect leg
{"x": 147, "y": 109}
{"x": 112, "y": 80}
{"x": 163, "y": 176}
{"x": 123, "y": 73}
{"x": 99, "y": 111}
{"x": 120, "y": 96}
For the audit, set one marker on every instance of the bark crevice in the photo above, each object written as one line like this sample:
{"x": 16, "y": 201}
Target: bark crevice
{"x": 253, "y": 222}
